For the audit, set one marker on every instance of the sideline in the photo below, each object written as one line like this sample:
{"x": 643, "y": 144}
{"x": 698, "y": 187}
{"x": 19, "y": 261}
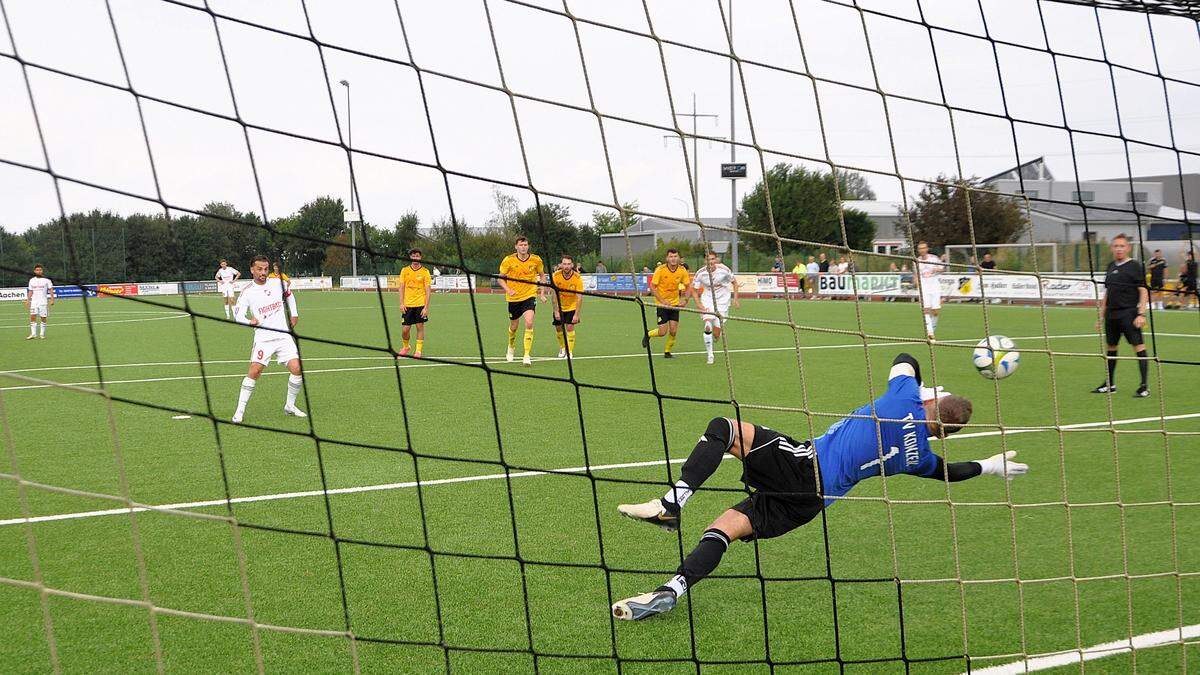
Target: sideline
{"x": 1102, "y": 650}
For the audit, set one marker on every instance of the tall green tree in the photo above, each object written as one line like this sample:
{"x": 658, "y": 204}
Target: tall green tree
{"x": 805, "y": 207}
{"x": 611, "y": 221}
{"x": 854, "y": 185}
{"x": 944, "y": 212}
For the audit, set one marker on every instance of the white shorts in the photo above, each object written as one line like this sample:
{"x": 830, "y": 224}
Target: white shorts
{"x": 931, "y": 293}
{"x": 226, "y": 290}
{"x": 715, "y": 319}
{"x": 37, "y": 308}
{"x": 282, "y": 348}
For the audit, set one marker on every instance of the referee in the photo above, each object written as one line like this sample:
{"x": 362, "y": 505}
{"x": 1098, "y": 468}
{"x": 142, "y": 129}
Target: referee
{"x": 1123, "y": 311}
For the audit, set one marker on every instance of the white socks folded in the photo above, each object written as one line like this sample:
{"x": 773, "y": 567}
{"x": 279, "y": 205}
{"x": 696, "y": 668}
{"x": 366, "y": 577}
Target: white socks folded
{"x": 294, "y": 384}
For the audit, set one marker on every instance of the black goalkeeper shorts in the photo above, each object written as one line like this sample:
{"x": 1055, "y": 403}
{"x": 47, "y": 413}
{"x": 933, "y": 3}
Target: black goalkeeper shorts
{"x": 517, "y": 309}
{"x": 781, "y": 472}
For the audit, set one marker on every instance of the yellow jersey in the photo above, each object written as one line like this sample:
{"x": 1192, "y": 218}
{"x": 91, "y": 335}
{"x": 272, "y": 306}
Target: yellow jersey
{"x": 567, "y": 302}
{"x": 286, "y": 278}
{"x": 413, "y": 284}
{"x": 523, "y": 271}
{"x": 669, "y": 283}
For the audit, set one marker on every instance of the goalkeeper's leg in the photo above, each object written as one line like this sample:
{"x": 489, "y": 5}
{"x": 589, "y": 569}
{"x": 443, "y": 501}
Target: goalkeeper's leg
{"x": 722, "y": 435}
{"x": 698, "y": 564}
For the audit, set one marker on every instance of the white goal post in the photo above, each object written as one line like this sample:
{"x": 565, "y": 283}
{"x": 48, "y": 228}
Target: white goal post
{"x": 960, "y": 254}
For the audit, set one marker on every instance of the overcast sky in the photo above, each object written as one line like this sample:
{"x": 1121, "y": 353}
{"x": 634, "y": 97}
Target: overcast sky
{"x": 172, "y": 52}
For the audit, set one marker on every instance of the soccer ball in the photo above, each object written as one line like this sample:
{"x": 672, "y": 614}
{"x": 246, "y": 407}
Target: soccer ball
{"x": 996, "y": 357}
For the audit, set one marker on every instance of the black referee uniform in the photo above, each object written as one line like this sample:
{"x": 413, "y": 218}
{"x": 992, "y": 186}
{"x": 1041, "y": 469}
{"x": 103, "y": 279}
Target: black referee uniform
{"x": 1123, "y": 283}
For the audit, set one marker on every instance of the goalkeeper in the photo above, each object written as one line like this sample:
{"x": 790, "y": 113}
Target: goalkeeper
{"x": 782, "y": 472}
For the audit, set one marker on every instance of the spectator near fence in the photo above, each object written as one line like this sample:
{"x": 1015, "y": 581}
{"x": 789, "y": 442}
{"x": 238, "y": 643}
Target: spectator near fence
{"x": 814, "y": 276}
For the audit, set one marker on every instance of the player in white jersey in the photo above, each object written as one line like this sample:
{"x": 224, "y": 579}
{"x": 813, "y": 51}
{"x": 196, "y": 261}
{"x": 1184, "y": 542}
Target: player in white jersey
{"x": 265, "y": 298}
{"x": 929, "y": 266}
{"x": 226, "y": 275}
{"x": 38, "y": 296}
{"x": 714, "y": 286}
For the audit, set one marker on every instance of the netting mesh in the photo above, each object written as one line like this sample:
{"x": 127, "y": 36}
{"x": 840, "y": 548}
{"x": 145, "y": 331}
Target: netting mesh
{"x": 740, "y": 399}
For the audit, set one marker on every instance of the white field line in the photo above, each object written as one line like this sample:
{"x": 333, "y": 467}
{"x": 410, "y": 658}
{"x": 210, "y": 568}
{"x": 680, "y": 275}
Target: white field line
{"x": 52, "y": 324}
{"x": 457, "y": 358}
{"x": 496, "y": 476}
{"x": 1143, "y": 641}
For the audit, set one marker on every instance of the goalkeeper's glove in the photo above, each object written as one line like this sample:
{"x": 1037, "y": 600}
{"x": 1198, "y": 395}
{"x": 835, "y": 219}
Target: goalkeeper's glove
{"x": 930, "y": 393}
{"x": 1002, "y": 465}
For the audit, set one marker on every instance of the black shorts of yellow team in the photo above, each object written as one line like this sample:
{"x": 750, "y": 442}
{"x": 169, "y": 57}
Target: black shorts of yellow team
{"x": 517, "y": 309}
{"x": 1121, "y": 324}
{"x": 781, "y": 472}
{"x": 666, "y": 314}
{"x": 566, "y": 317}
{"x": 413, "y": 315}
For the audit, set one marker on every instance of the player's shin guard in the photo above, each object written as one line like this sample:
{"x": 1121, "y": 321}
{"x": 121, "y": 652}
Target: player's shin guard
{"x": 293, "y": 390}
{"x": 571, "y": 342}
{"x": 700, "y": 562}
{"x": 528, "y": 341}
{"x": 245, "y": 394}
{"x": 1143, "y": 366}
{"x": 701, "y": 464}
{"x": 670, "y": 343}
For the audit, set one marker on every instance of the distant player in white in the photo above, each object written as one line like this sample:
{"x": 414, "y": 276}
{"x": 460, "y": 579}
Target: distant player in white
{"x": 265, "y": 298}
{"x": 38, "y": 296}
{"x": 929, "y": 266}
{"x": 226, "y": 275}
{"x": 713, "y": 286}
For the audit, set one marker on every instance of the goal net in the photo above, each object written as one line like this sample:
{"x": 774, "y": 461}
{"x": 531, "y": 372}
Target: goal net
{"x": 396, "y": 490}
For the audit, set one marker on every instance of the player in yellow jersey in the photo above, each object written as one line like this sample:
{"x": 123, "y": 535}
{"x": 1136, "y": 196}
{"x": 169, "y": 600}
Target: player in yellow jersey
{"x": 277, "y": 274}
{"x": 415, "y": 290}
{"x": 520, "y": 273}
{"x": 666, "y": 284}
{"x": 566, "y": 304}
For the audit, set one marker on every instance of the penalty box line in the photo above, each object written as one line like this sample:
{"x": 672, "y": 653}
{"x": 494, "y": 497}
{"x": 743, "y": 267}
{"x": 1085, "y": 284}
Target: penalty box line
{"x": 141, "y": 508}
{"x": 466, "y": 359}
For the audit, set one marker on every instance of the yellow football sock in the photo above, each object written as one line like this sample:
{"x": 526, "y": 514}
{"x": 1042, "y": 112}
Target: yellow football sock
{"x": 420, "y": 345}
{"x": 653, "y": 332}
{"x": 558, "y": 335}
{"x": 404, "y": 342}
{"x": 670, "y": 342}
{"x": 528, "y": 340}
{"x": 571, "y": 342}
{"x": 512, "y": 337}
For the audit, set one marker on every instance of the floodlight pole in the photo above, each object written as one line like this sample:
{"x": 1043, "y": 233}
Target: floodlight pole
{"x": 733, "y": 233}
{"x": 350, "y": 145}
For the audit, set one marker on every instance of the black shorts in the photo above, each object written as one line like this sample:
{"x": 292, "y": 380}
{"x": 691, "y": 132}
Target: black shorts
{"x": 781, "y": 471}
{"x": 664, "y": 315}
{"x": 1189, "y": 284}
{"x": 518, "y": 309}
{"x": 413, "y": 315}
{"x": 1115, "y": 327}
{"x": 1156, "y": 283}
{"x": 568, "y": 318}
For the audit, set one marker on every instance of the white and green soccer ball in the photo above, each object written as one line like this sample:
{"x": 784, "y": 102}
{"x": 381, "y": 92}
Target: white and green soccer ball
{"x": 996, "y": 357}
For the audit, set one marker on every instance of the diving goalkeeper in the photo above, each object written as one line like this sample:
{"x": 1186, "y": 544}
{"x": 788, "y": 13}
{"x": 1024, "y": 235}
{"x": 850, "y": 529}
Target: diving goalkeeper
{"x": 783, "y": 475}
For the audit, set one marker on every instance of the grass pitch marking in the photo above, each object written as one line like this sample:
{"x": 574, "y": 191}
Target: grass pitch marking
{"x": 472, "y": 359}
{"x": 1105, "y": 649}
{"x": 494, "y": 476}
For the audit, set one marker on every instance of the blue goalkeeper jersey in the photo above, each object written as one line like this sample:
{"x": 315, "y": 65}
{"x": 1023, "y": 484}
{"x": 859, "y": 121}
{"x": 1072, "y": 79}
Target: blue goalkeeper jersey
{"x": 849, "y": 451}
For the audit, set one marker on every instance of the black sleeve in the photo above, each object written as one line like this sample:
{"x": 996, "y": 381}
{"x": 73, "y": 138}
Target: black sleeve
{"x": 905, "y": 357}
{"x": 954, "y": 471}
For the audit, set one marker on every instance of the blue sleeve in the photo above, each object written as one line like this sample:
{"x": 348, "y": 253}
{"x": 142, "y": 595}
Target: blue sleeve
{"x": 905, "y": 388}
{"x": 928, "y": 464}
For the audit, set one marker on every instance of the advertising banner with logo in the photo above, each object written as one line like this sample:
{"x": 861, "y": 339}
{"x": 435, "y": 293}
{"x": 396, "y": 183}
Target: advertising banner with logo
{"x": 364, "y": 283}
{"x": 1018, "y": 287}
{"x": 158, "y": 289}
{"x": 116, "y": 289}
{"x": 310, "y": 283}
{"x": 864, "y": 284}
{"x": 453, "y": 282}
{"x": 200, "y": 286}
{"x": 75, "y": 291}
{"x": 12, "y": 294}
{"x": 620, "y": 283}
{"x": 589, "y": 282}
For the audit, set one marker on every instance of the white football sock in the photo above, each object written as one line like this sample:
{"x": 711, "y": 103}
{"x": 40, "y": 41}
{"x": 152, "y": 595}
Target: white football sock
{"x": 677, "y": 584}
{"x": 928, "y": 324}
{"x": 226, "y": 311}
{"x": 935, "y": 320}
{"x": 679, "y": 494}
{"x": 43, "y": 328}
{"x": 294, "y": 382}
{"x": 33, "y": 328}
{"x": 244, "y": 394}
{"x": 708, "y": 342}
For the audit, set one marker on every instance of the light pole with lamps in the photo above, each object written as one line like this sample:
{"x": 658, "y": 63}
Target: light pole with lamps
{"x": 351, "y": 216}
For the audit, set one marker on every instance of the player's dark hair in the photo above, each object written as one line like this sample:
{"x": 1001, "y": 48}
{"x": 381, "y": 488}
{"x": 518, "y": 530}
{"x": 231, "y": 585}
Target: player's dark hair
{"x": 1121, "y": 236}
{"x": 415, "y": 251}
{"x": 567, "y": 256}
{"x": 37, "y": 266}
{"x": 954, "y": 412}
{"x": 260, "y": 258}
{"x": 672, "y": 250}
{"x": 224, "y": 261}
{"x": 521, "y": 239}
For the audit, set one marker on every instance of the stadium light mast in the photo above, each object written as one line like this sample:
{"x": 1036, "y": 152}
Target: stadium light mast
{"x": 695, "y": 163}
{"x": 733, "y": 233}
{"x": 353, "y": 219}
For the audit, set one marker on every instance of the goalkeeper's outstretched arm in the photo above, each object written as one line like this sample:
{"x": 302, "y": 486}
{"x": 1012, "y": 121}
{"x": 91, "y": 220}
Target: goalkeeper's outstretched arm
{"x": 1001, "y": 464}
